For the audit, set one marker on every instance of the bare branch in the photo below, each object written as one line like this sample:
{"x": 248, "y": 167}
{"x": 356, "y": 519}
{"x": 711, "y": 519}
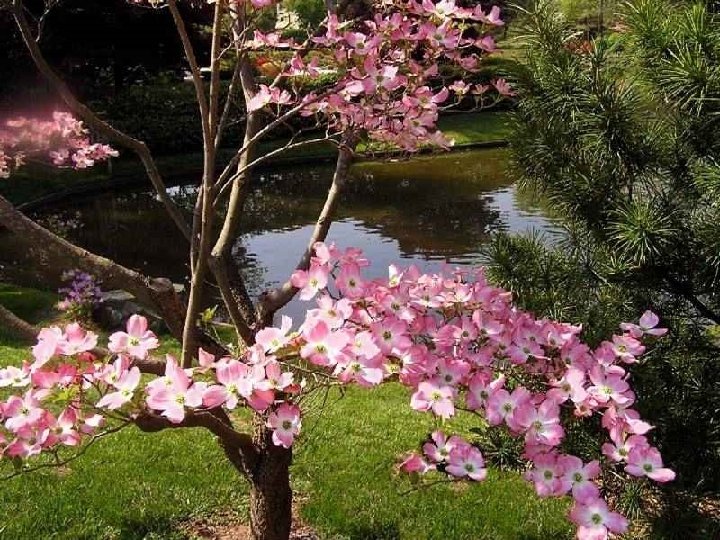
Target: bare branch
{"x": 272, "y": 301}
{"x": 194, "y": 68}
{"x": 287, "y": 146}
{"x": 223, "y": 122}
{"x": 215, "y": 72}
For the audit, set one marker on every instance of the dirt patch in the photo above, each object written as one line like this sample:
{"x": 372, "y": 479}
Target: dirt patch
{"x": 229, "y": 526}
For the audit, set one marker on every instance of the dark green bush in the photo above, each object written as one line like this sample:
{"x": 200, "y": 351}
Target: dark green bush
{"x": 621, "y": 137}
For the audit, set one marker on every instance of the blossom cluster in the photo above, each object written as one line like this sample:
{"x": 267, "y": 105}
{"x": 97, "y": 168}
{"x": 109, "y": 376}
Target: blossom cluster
{"x": 81, "y": 294}
{"x": 63, "y": 138}
{"x": 389, "y": 85}
{"x": 456, "y": 341}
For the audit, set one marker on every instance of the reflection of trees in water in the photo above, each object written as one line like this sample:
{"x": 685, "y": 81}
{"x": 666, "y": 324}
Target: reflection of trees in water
{"x": 133, "y": 229}
{"x": 437, "y": 206}
{"x": 254, "y": 273}
{"x": 427, "y": 216}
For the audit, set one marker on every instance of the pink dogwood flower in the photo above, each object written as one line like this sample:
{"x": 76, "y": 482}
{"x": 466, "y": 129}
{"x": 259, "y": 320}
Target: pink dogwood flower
{"x": 177, "y": 393}
{"x": 607, "y": 386}
{"x": 648, "y": 325}
{"x": 439, "y": 447}
{"x": 312, "y": 281}
{"x": 285, "y": 423}
{"x": 481, "y": 388}
{"x": 438, "y": 399}
{"x": 502, "y": 406}
{"x": 415, "y": 463}
{"x": 323, "y": 346}
{"x": 648, "y": 462}
{"x": 595, "y": 520}
{"x": 14, "y": 377}
{"x": 546, "y": 475}
{"x": 49, "y": 344}
{"x": 578, "y": 477}
{"x": 137, "y": 342}
{"x": 76, "y": 340}
{"x": 125, "y": 383}
{"x": 466, "y": 460}
{"x": 240, "y": 381}
{"x": 541, "y": 424}
{"x": 272, "y": 339}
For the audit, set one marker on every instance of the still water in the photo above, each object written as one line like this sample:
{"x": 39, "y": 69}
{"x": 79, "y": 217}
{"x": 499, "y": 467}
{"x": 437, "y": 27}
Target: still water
{"x": 429, "y": 211}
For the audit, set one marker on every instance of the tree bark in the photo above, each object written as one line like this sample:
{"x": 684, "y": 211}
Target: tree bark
{"x": 270, "y": 491}
{"x": 17, "y": 327}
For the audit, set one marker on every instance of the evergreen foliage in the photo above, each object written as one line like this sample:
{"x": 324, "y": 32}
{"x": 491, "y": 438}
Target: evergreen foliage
{"x": 621, "y": 134}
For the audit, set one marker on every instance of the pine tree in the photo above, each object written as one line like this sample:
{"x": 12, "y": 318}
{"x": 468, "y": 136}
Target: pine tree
{"x": 622, "y": 135}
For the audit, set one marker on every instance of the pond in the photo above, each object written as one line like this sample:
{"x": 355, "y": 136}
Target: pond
{"x": 428, "y": 210}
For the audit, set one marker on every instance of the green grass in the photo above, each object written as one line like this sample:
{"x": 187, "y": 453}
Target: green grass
{"x": 28, "y": 304}
{"x": 476, "y": 128}
{"x": 134, "y": 485}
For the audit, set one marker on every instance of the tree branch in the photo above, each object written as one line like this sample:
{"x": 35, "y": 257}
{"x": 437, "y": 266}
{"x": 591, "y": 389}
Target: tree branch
{"x": 53, "y": 254}
{"x": 17, "y": 327}
{"x": 238, "y": 447}
{"x": 194, "y": 68}
{"x": 686, "y": 292}
{"x": 271, "y": 301}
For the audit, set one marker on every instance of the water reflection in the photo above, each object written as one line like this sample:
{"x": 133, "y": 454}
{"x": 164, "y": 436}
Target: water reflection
{"x": 429, "y": 210}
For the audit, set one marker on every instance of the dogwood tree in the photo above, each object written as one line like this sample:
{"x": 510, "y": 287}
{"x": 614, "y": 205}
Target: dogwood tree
{"x": 454, "y": 340}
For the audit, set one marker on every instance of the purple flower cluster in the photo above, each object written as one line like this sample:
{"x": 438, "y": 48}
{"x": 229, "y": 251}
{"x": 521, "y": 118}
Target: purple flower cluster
{"x": 81, "y": 295}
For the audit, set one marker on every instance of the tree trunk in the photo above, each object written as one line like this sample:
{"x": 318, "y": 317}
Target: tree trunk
{"x": 270, "y": 492}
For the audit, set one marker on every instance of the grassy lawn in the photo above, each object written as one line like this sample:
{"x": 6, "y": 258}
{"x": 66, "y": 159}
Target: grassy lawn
{"x": 475, "y": 128}
{"x": 136, "y": 485}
